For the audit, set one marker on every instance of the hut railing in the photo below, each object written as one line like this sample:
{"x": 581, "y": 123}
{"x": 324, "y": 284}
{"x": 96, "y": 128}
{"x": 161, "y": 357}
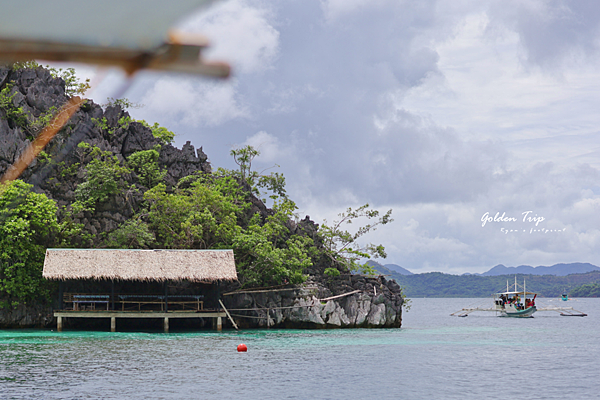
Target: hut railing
{"x": 128, "y": 302}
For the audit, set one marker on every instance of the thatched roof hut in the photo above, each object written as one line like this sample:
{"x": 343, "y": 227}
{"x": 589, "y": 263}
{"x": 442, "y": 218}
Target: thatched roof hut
{"x": 140, "y": 265}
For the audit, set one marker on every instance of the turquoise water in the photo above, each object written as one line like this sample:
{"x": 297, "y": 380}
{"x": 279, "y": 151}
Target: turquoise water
{"x": 434, "y": 356}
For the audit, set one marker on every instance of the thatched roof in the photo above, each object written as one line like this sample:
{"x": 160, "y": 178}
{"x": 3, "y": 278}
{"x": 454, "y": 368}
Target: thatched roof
{"x": 140, "y": 265}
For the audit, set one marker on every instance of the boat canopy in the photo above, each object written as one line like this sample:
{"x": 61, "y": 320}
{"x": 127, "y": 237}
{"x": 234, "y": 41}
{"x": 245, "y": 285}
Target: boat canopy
{"x": 518, "y": 292}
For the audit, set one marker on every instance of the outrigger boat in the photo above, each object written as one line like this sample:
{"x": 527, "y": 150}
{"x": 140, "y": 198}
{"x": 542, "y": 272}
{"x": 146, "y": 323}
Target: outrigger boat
{"x": 518, "y": 304}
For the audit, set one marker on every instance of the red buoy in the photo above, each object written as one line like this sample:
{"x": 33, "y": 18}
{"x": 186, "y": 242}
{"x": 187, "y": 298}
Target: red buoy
{"x": 242, "y": 347}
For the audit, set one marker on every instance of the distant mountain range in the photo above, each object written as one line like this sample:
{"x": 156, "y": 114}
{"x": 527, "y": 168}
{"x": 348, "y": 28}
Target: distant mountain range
{"x": 547, "y": 281}
{"x": 556, "y": 269}
{"x": 389, "y": 269}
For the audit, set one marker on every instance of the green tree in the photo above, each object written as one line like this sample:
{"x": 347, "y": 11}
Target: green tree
{"x": 133, "y": 234}
{"x": 197, "y": 217}
{"x": 103, "y": 175}
{"x": 160, "y": 132}
{"x": 73, "y": 85}
{"x": 267, "y": 254}
{"x": 342, "y": 246}
{"x": 271, "y": 185}
{"x": 243, "y": 157}
{"x": 145, "y": 164}
{"x": 28, "y": 225}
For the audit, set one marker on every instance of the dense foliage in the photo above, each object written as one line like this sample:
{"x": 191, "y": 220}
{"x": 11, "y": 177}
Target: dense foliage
{"x": 586, "y": 290}
{"x": 28, "y": 225}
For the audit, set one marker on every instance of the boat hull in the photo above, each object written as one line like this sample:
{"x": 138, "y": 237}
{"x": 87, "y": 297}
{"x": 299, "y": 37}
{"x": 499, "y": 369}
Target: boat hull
{"x": 526, "y": 313}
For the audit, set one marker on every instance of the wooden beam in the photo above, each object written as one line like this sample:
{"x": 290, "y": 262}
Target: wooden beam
{"x": 166, "y": 324}
{"x": 138, "y": 314}
{"x": 59, "y": 324}
{"x": 113, "y": 324}
{"x": 228, "y": 316}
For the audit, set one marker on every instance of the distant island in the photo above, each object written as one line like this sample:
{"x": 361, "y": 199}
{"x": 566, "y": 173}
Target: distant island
{"x": 556, "y": 269}
{"x": 577, "y": 279}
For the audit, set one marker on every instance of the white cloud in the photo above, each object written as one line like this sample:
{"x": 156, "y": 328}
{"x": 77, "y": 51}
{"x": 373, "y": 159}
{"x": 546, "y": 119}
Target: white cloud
{"x": 241, "y": 33}
{"x": 192, "y": 102}
{"x": 269, "y": 146}
{"x": 440, "y": 110}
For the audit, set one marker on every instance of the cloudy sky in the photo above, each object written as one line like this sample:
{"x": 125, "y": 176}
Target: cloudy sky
{"x": 440, "y": 110}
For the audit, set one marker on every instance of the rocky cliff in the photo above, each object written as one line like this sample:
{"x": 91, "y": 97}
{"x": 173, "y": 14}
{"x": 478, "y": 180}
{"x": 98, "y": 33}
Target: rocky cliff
{"x": 351, "y": 301}
{"x": 346, "y": 301}
{"x": 111, "y": 129}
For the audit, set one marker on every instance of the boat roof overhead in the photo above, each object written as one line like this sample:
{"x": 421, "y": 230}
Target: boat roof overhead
{"x": 518, "y": 292}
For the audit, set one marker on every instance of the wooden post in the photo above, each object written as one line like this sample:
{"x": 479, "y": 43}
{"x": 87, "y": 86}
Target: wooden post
{"x": 218, "y": 291}
{"x": 219, "y": 324}
{"x": 113, "y": 324}
{"x": 61, "y": 289}
{"x": 112, "y": 294}
{"x": 59, "y": 324}
{"x": 166, "y": 324}
{"x": 166, "y": 296}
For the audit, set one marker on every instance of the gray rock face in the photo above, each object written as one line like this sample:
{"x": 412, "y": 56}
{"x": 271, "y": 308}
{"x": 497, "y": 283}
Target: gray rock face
{"x": 378, "y": 308}
{"x": 36, "y": 91}
{"x": 36, "y": 316}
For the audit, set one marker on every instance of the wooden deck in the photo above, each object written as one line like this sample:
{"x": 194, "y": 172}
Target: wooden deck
{"x": 113, "y": 315}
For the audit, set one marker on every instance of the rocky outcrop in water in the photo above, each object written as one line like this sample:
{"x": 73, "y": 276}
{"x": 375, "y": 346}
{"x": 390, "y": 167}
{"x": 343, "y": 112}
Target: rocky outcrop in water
{"x": 323, "y": 302}
{"x": 27, "y": 316}
{"x": 364, "y": 302}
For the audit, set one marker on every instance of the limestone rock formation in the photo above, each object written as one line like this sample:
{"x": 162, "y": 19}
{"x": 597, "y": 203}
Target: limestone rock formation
{"x": 372, "y": 302}
{"x": 110, "y": 129}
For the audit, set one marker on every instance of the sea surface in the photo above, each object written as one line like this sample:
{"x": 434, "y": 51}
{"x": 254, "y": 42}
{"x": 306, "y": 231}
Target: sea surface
{"x": 434, "y": 356}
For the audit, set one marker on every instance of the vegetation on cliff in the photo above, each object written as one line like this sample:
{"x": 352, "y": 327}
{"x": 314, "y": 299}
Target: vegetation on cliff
{"x": 109, "y": 181}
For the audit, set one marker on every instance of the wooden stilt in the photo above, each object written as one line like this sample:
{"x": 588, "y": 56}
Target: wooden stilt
{"x": 219, "y": 324}
{"x": 59, "y": 324}
{"x": 166, "y": 324}
{"x": 113, "y": 324}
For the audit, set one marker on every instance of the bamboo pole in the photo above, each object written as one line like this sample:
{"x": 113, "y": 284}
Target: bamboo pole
{"x": 269, "y": 290}
{"x": 341, "y": 295}
{"x": 228, "y": 315}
